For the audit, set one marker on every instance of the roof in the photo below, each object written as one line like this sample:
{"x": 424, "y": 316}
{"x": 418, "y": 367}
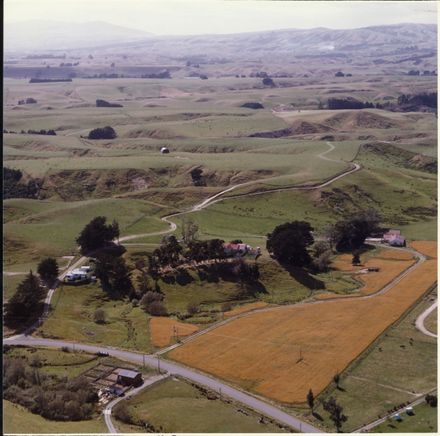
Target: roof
{"x": 398, "y": 240}
{"x": 128, "y": 373}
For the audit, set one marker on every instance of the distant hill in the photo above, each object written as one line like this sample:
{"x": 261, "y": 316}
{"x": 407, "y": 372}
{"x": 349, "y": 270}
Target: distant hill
{"x": 399, "y": 39}
{"x": 52, "y": 35}
{"x": 396, "y": 39}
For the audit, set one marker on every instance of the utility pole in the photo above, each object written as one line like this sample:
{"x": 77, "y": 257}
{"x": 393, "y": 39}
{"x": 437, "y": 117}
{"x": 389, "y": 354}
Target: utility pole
{"x": 158, "y": 363}
{"x": 143, "y": 360}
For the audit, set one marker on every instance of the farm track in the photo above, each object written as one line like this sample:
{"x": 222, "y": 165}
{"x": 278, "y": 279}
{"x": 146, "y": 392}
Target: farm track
{"x": 108, "y": 410}
{"x": 260, "y": 406}
{"x": 420, "y": 321}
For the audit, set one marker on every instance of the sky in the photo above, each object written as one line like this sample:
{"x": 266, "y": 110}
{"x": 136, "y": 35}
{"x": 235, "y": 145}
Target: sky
{"x": 189, "y": 17}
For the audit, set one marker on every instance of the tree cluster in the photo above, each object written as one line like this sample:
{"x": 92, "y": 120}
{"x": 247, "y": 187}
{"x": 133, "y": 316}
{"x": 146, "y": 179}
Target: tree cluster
{"x": 197, "y": 177}
{"x": 14, "y": 187}
{"x": 114, "y": 274}
{"x": 152, "y": 303}
{"x": 104, "y": 103}
{"x": 49, "y": 132}
{"x": 165, "y": 74}
{"x": 349, "y": 234}
{"x": 336, "y": 412}
{"x": 49, "y": 396}
{"x": 26, "y": 303}
{"x": 431, "y": 400}
{"x": 252, "y": 105}
{"x": 29, "y": 100}
{"x": 423, "y": 99}
{"x": 267, "y": 81}
{"x": 48, "y": 270}
{"x": 102, "y": 133}
{"x": 97, "y": 234}
{"x": 37, "y": 80}
{"x": 348, "y": 103}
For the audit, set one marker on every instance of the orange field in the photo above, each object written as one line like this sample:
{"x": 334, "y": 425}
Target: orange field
{"x": 425, "y": 247}
{"x": 162, "y": 330}
{"x": 245, "y": 308}
{"x": 389, "y": 261}
{"x": 284, "y": 352}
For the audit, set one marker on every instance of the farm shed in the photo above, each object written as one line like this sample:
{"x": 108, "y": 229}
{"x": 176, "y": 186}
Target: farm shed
{"x": 398, "y": 241}
{"x": 128, "y": 377}
{"x": 164, "y": 150}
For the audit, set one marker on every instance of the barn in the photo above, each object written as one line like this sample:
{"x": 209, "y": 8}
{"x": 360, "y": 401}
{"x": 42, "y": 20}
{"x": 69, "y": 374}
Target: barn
{"x": 127, "y": 377}
{"x": 164, "y": 150}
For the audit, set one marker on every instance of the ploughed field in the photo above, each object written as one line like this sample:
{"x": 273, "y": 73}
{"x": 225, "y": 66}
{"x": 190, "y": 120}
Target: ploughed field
{"x": 283, "y": 353}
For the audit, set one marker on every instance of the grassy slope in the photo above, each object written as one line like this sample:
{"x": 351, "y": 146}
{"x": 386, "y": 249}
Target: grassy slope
{"x": 176, "y": 406}
{"x": 50, "y": 228}
{"x": 72, "y": 319}
{"x": 16, "y": 419}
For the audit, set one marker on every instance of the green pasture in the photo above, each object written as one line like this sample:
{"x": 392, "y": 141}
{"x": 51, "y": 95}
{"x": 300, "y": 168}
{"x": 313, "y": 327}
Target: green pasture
{"x": 177, "y": 406}
{"x": 16, "y": 419}
{"x": 50, "y": 228}
{"x": 71, "y": 318}
{"x": 424, "y": 420}
{"x": 398, "y": 367}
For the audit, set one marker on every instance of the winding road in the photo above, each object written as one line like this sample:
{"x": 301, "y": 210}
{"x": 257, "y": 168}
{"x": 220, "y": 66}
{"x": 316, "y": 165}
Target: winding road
{"x": 239, "y": 395}
{"x": 108, "y": 410}
{"x": 420, "y": 321}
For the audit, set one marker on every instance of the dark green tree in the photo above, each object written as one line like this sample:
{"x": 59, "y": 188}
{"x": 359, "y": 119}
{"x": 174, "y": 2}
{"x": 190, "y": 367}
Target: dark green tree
{"x": 48, "y": 270}
{"x": 350, "y": 234}
{"x": 26, "y": 302}
{"x": 356, "y": 260}
{"x": 288, "y": 243}
{"x": 337, "y": 379}
{"x": 216, "y": 249}
{"x": 311, "y": 400}
{"x": 102, "y": 133}
{"x": 120, "y": 280}
{"x": 97, "y": 234}
{"x": 336, "y": 413}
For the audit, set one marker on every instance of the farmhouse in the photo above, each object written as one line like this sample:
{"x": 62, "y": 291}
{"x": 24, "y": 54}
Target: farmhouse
{"x": 398, "y": 241}
{"x": 76, "y": 274}
{"x": 394, "y": 238}
{"x": 164, "y": 150}
{"x": 127, "y": 377}
{"x": 240, "y": 249}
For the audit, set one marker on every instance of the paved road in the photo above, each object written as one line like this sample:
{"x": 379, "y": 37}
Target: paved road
{"x": 175, "y": 369}
{"x": 420, "y": 322}
{"x": 108, "y": 410}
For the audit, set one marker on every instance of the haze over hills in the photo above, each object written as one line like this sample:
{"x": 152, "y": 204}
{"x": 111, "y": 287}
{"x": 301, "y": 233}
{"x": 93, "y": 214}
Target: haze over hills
{"x": 51, "y": 35}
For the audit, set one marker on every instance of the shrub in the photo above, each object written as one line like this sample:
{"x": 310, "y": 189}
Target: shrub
{"x": 193, "y": 308}
{"x": 102, "y": 133}
{"x": 431, "y": 400}
{"x": 156, "y": 308}
{"x": 99, "y": 316}
{"x": 226, "y": 307}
